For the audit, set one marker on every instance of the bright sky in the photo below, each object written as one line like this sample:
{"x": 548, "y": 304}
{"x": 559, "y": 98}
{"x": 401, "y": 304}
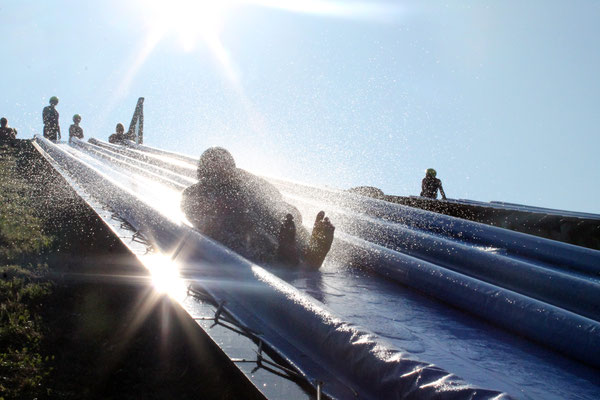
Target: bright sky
{"x": 501, "y": 97}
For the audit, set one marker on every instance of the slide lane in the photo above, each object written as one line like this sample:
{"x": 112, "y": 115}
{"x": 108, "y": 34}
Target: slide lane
{"x": 436, "y": 351}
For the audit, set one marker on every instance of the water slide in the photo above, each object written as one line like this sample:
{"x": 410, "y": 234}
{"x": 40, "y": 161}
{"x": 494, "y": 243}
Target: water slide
{"x": 407, "y": 301}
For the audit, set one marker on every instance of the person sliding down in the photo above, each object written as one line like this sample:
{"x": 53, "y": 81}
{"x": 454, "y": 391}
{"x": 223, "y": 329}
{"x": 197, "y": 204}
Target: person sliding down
{"x": 249, "y": 215}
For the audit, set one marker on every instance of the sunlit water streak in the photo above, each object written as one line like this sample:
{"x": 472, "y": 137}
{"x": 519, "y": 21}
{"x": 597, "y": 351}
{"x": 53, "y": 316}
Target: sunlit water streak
{"x": 159, "y": 196}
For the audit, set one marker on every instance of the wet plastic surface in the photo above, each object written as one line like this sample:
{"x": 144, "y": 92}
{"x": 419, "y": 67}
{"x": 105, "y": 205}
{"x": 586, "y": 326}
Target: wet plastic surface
{"x": 430, "y": 330}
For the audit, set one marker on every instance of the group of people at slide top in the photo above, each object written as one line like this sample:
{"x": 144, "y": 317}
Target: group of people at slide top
{"x": 52, "y": 127}
{"x": 52, "y": 132}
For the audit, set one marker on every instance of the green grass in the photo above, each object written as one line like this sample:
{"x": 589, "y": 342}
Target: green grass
{"x": 20, "y": 228}
{"x": 22, "y": 367}
{"x": 23, "y": 285}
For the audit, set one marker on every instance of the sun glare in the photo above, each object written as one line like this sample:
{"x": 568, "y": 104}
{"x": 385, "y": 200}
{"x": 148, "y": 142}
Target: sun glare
{"x": 193, "y": 20}
{"x": 188, "y": 20}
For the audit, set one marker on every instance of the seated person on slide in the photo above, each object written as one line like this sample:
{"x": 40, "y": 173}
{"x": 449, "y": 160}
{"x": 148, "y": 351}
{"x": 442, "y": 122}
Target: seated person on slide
{"x": 248, "y": 215}
{"x": 119, "y": 136}
{"x": 430, "y": 185}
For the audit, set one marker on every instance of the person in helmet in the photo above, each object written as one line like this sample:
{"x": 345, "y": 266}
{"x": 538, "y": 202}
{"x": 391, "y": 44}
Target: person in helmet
{"x": 6, "y": 132}
{"x": 249, "y": 215}
{"x": 50, "y": 117}
{"x": 119, "y": 136}
{"x": 431, "y": 184}
{"x": 75, "y": 130}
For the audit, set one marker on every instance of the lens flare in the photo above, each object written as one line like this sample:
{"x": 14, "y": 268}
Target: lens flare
{"x": 165, "y": 276}
{"x": 189, "y": 20}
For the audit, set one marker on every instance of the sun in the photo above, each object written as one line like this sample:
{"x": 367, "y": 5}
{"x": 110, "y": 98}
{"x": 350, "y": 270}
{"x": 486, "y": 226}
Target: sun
{"x": 189, "y": 20}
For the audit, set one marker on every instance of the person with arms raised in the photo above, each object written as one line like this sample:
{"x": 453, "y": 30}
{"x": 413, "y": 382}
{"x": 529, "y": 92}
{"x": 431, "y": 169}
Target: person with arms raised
{"x": 248, "y": 215}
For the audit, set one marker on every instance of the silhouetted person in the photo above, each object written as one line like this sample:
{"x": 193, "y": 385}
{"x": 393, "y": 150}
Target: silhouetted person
{"x": 6, "y": 132}
{"x": 119, "y": 136}
{"x": 50, "y": 117}
{"x": 430, "y": 185}
{"x": 75, "y": 130}
{"x": 248, "y": 214}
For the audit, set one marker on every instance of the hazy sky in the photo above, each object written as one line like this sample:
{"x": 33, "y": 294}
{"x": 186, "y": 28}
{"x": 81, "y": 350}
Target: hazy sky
{"x": 501, "y": 97}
